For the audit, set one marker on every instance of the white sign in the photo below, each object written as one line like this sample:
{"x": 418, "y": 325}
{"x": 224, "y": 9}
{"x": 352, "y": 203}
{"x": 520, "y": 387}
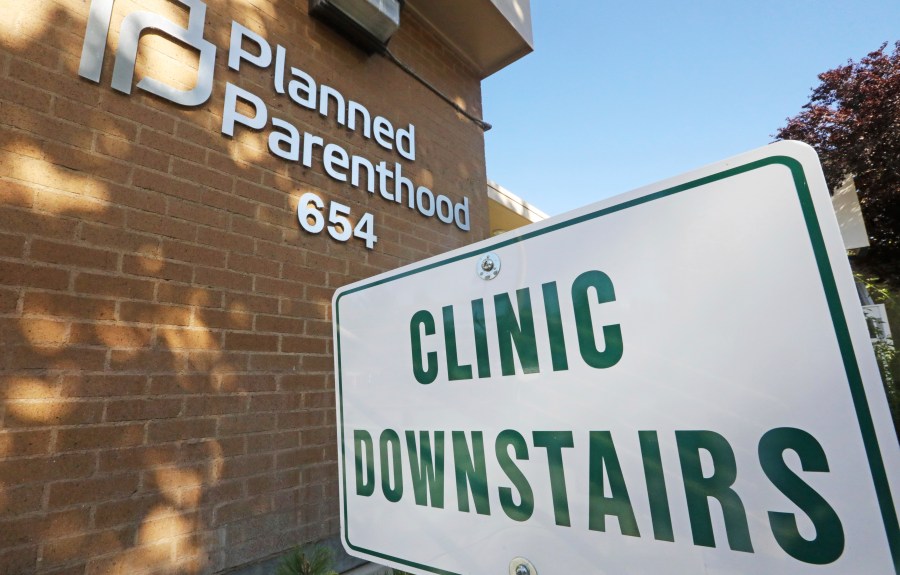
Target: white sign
{"x": 676, "y": 380}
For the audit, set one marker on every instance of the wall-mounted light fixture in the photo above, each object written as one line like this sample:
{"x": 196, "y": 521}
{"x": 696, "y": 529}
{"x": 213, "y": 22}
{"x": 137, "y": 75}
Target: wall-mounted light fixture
{"x": 367, "y": 23}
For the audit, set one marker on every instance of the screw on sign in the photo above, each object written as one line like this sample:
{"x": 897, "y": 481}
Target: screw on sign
{"x": 488, "y": 266}
{"x": 521, "y": 566}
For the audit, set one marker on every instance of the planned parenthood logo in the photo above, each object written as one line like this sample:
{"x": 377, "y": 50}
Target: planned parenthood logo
{"x": 245, "y": 110}
{"x": 94, "y": 50}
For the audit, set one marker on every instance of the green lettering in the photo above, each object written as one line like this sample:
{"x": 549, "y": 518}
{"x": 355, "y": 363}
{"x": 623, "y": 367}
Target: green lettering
{"x": 525, "y": 508}
{"x": 612, "y": 334}
{"x": 656, "y": 487}
{"x": 603, "y": 455}
{"x": 554, "y": 327}
{"x": 481, "y": 342}
{"x": 427, "y": 473}
{"x": 516, "y": 333}
{"x": 828, "y": 543}
{"x": 554, "y": 442}
{"x": 363, "y": 450}
{"x": 455, "y": 371}
{"x": 389, "y": 440}
{"x": 471, "y": 472}
{"x": 424, "y": 375}
{"x": 698, "y": 489}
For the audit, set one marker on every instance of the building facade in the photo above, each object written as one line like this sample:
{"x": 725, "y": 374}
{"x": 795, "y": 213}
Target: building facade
{"x": 184, "y": 186}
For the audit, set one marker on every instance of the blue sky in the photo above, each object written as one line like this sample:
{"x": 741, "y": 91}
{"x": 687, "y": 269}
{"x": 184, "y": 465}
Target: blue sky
{"x": 621, "y": 94}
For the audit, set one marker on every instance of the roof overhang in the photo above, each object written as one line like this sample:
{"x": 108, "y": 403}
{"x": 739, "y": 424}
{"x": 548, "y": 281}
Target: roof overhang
{"x": 491, "y": 34}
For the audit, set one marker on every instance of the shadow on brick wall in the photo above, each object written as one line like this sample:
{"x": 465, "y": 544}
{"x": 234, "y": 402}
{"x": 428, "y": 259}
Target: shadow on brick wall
{"x": 165, "y": 369}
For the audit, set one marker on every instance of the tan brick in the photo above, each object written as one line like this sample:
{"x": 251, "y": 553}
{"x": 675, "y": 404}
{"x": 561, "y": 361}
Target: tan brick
{"x": 274, "y": 362}
{"x": 279, "y": 324}
{"x": 172, "y": 145}
{"x": 276, "y": 287}
{"x": 301, "y": 344}
{"x": 127, "y": 151}
{"x": 253, "y": 265}
{"x": 111, "y": 335}
{"x": 181, "y": 429}
{"x": 225, "y": 240}
{"x": 316, "y": 363}
{"x": 298, "y": 457}
{"x": 250, "y": 342}
{"x": 25, "y": 443}
{"x": 19, "y": 559}
{"x": 215, "y": 405}
{"x": 305, "y": 309}
{"x": 166, "y": 227}
{"x": 73, "y": 255}
{"x": 252, "y": 303}
{"x": 99, "y": 437}
{"x": 103, "y": 385}
{"x": 165, "y": 184}
{"x": 180, "y": 338}
{"x": 17, "y": 194}
{"x": 256, "y": 192}
{"x": 245, "y": 423}
{"x": 150, "y": 361}
{"x": 45, "y": 126}
{"x": 129, "y": 108}
{"x": 201, "y": 299}
{"x": 155, "y": 314}
{"x": 154, "y": 267}
{"x": 26, "y": 95}
{"x": 65, "y": 550}
{"x": 63, "y": 305}
{"x": 119, "y": 239}
{"x": 307, "y": 275}
{"x": 228, "y": 202}
{"x": 138, "y": 409}
{"x": 43, "y": 331}
{"x": 180, "y": 384}
{"x": 254, "y": 464}
{"x": 193, "y": 253}
{"x": 223, "y": 279}
{"x": 28, "y": 275}
{"x": 195, "y": 212}
{"x": 33, "y": 356}
{"x": 205, "y": 176}
{"x": 137, "y": 198}
{"x": 218, "y": 319}
{"x": 96, "y": 118}
{"x": 123, "y": 511}
{"x": 114, "y": 286}
{"x": 12, "y": 246}
{"x": 255, "y": 228}
{"x": 40, "y": 470}
{"x": 68, "y": 493}
{"x": 86, "y": 162}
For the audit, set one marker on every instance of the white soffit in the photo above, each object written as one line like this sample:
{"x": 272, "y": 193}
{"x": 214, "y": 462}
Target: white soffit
{"x": 514, "y": 203}
{"x": 849, "y": 215}
{"x": 491, "y": 33}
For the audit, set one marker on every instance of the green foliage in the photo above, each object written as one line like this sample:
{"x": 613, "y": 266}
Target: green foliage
{"x": 886, "y": 350}
{"x": 853, "y": 121}
{"x": 307, "y": 561}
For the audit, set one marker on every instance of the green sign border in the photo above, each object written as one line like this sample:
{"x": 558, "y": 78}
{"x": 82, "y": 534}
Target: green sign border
{"x": 841, "y": 330}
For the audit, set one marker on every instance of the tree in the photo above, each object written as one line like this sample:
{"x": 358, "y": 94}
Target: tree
{"x": 853, "y": 121}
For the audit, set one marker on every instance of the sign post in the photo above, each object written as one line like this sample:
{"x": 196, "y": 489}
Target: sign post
{"x": 676, "y": 380}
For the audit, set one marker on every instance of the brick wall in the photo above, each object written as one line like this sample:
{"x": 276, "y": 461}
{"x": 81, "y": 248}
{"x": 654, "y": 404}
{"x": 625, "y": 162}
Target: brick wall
{"x": 166, "y": 360}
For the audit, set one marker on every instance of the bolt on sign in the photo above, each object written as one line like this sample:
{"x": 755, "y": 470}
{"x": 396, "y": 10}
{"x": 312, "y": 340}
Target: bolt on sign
{"x": 676, "y": 380}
